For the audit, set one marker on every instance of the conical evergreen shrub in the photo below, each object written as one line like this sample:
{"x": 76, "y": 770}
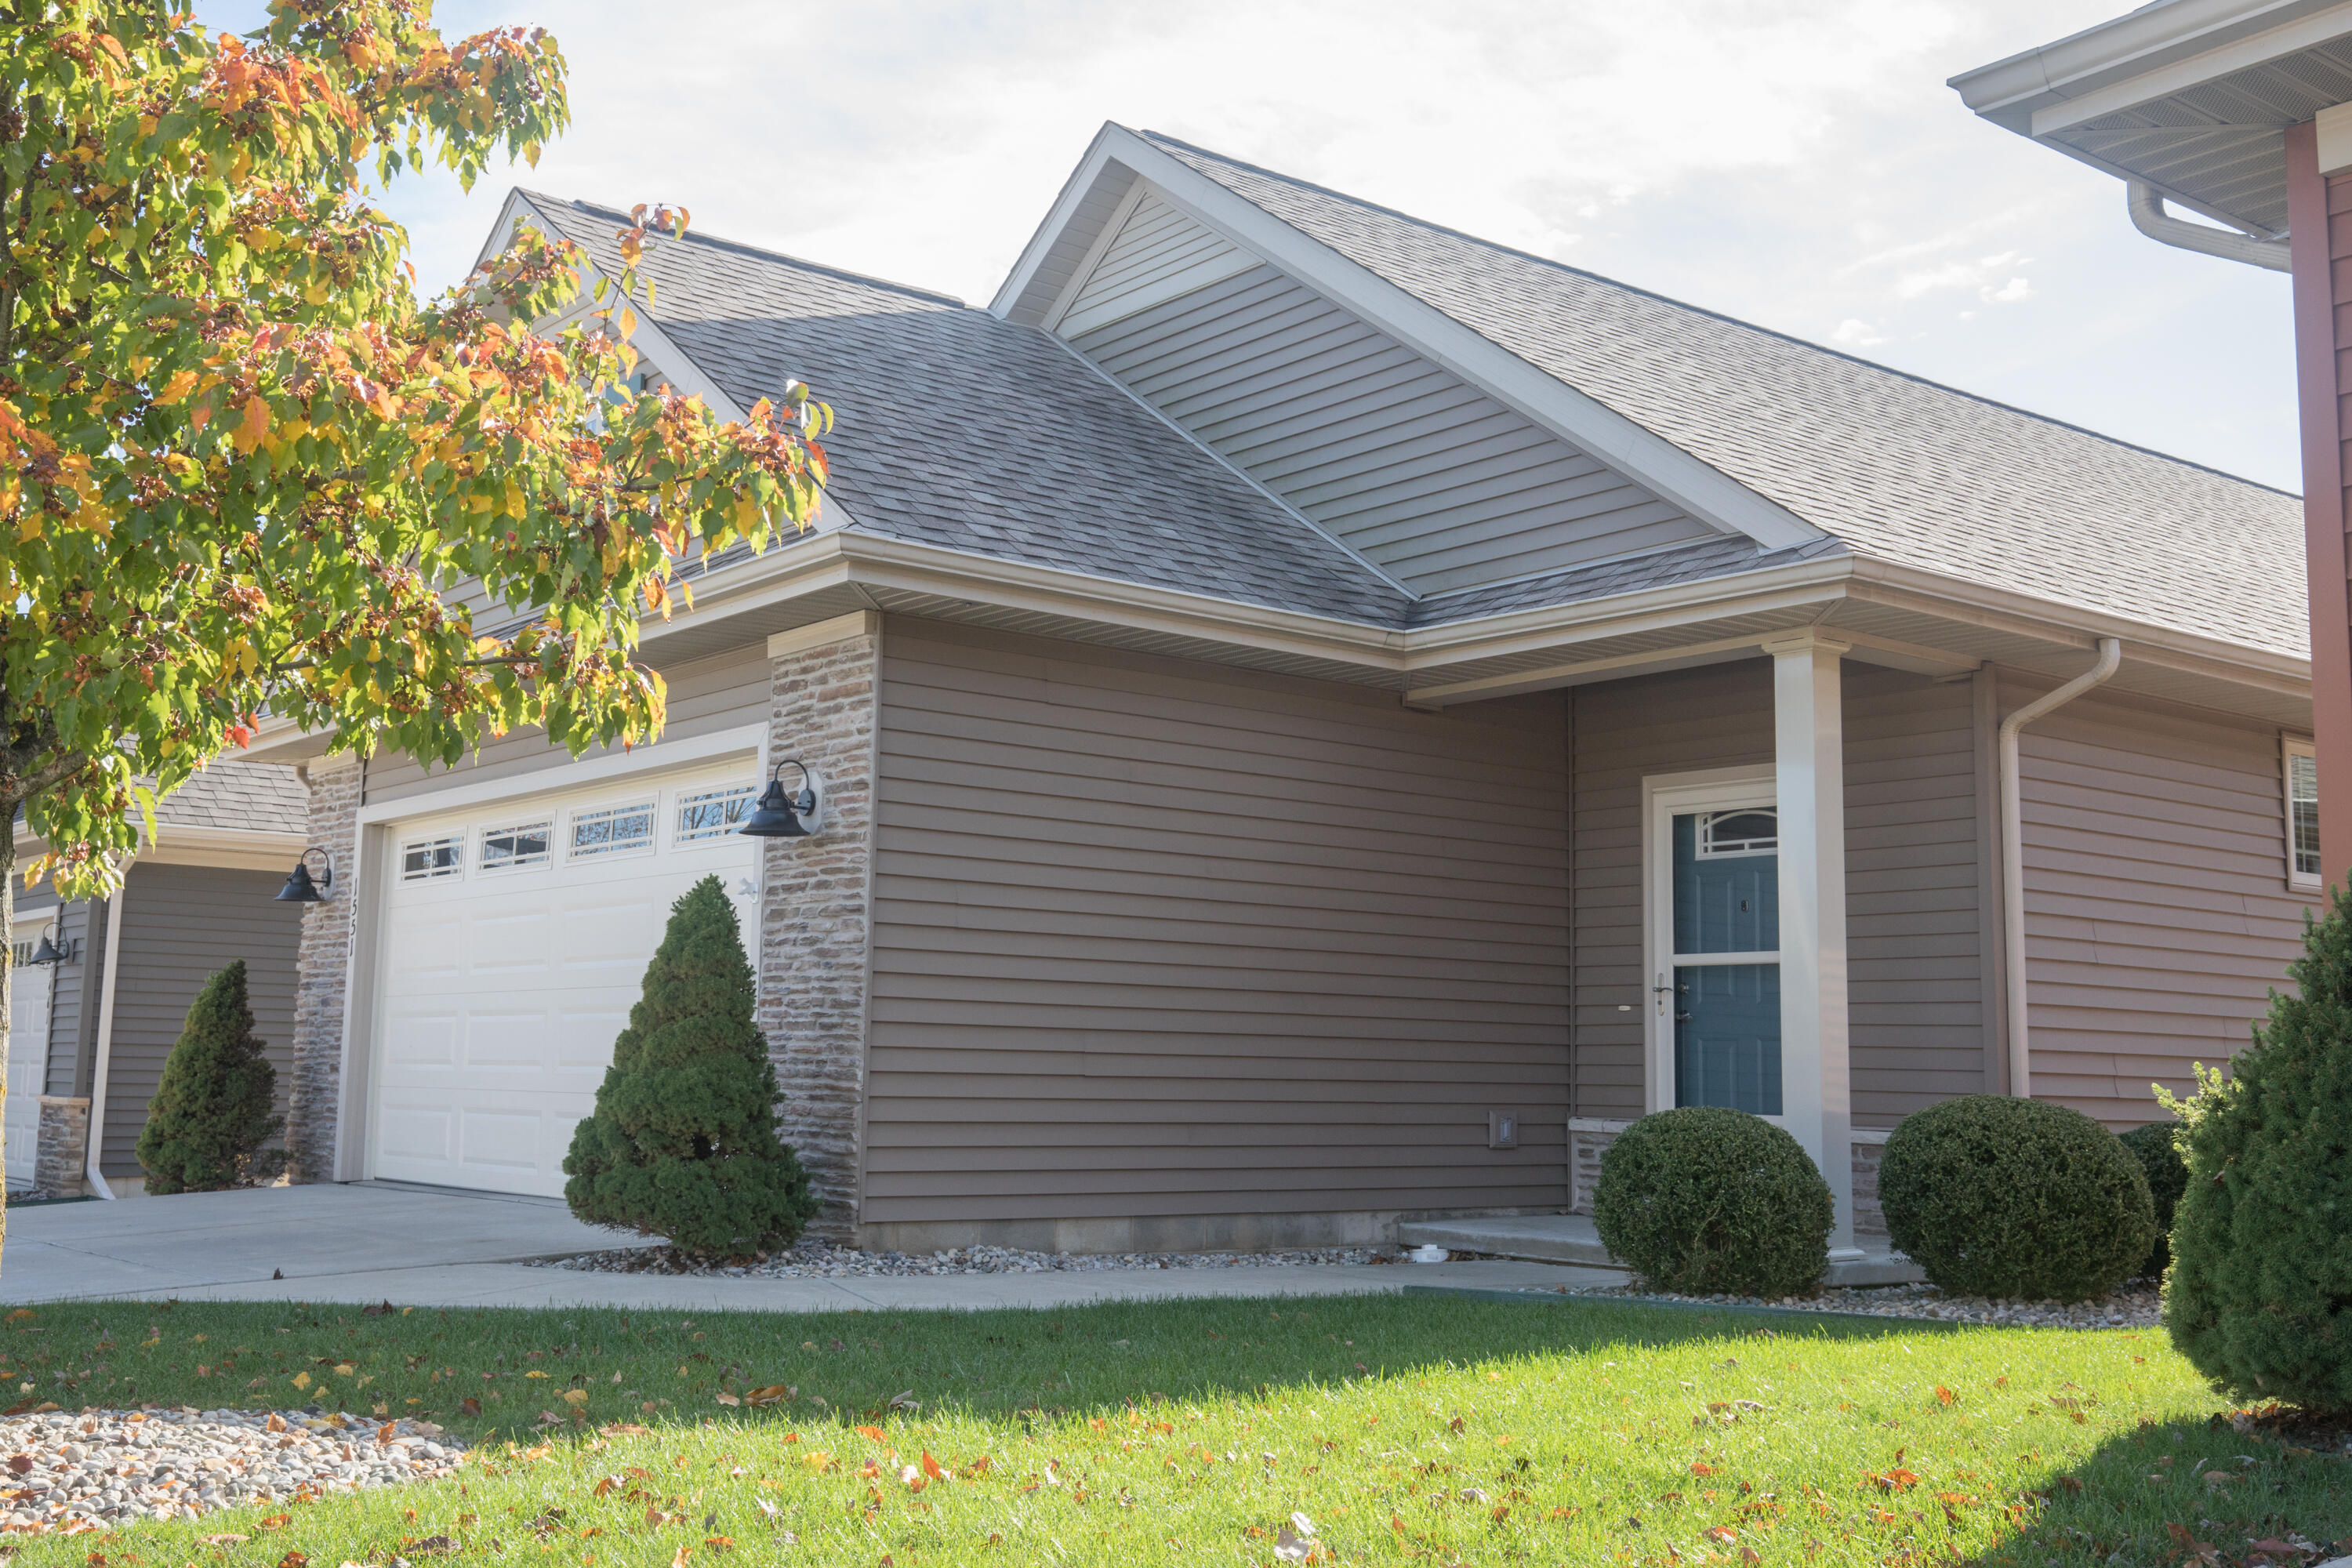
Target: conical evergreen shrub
{"x": 211, "y": 1113}
{"x": 2259, "y": 1296}
{"x": 683, "y": 1142}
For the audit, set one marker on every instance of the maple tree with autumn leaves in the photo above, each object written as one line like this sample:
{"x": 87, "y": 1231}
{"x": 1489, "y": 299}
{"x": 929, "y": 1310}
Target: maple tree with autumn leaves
{"x": 243, "y": 470}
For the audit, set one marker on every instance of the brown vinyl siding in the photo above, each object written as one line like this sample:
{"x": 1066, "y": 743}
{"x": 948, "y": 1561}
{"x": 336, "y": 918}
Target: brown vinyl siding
{"x": 2158, "y": 909}
{"x": 1915, "y": 1010}
{"x": 709, "y": 694}
{"x": 180, "y": 923}
{"x": 1155, "y": 938}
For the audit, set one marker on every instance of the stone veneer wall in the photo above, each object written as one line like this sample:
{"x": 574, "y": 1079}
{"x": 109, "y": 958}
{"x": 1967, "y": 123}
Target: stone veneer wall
{"x": 816, "y": 925}
{"x": 61, "y": 1146}
{"x": 323, "y": 962}
{"x": 1590, "y": 1137}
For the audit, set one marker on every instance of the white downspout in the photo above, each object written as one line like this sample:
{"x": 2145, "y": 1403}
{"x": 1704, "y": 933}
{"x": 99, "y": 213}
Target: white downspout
{"x": 2012, "y": 855}
{"x": 96, "y": 1147}
{"x": 2149, "y": 217}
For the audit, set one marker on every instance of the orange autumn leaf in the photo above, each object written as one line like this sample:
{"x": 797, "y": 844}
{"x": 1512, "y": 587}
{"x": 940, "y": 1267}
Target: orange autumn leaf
{"x": 255, "y": 426}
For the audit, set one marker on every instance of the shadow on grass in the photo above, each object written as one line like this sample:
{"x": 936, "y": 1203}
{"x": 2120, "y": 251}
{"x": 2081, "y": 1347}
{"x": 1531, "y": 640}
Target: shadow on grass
{"x": 2188, "y": 1492}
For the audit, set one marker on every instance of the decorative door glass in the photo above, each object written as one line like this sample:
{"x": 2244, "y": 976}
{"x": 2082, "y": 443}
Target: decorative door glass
{"x": 1725, "y": 966}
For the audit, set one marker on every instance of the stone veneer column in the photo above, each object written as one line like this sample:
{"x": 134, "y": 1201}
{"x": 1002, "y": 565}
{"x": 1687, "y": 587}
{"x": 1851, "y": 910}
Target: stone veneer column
{"x": 816, "y": 920}
{"x": 323, "y": 971}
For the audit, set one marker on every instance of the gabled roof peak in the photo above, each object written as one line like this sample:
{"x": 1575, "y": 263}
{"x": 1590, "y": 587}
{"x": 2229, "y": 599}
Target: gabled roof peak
{"x": 740, "y": 248}
{"x": 1587, "y": 275}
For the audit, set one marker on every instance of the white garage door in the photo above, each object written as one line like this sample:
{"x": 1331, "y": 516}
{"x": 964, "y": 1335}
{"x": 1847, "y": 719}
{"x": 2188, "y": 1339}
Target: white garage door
{"x": 28, "y": 1050}
{"x": 515, "y": 939}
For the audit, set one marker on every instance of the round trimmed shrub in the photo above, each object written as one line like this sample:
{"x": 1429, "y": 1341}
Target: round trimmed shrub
{"x": 1995, "y": 1196}
{"x": 2260, "y": 1294}
{"x": 2168, "y": 1174}
{"x": 1704, "y": 1198}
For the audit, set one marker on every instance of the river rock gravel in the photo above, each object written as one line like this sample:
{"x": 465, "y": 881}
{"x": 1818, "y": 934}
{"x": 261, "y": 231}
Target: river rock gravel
{"x": 814, "y": 1260}
{"x": 71, "y": 1470}
{"x": 2135, "y": 1304}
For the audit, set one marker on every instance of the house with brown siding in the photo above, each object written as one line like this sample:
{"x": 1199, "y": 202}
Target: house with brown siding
{"x": 98, "y": 988}
{"x": 1323, "y": 719}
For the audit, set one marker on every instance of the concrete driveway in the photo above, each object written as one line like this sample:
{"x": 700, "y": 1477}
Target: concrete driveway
{"x": 430, "y": 1247}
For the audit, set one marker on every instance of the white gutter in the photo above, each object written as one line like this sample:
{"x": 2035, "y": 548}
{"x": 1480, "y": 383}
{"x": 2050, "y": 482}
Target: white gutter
{"x": 2148, "y": 215}
{"x": 2012, "y": 855}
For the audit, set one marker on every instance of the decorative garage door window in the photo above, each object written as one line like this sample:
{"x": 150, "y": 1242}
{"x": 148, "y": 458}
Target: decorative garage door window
{"x": 517, "y": 847}
{"x": 712, "y": 813}
{"x": 613, "y": 830}
{"x": 1726, "y": 958}
{"x": 430, "y": 860}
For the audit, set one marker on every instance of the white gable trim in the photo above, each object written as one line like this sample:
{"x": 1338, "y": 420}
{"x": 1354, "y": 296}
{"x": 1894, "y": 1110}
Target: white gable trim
{"x": 1640, "y": 454}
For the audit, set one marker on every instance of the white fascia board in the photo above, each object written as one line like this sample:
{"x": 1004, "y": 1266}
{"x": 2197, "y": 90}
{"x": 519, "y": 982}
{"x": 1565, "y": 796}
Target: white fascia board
{"x": 1641, "y": 455}
{"x": 2137, "y": 43}
{"x": 2194, "y": 71}
{"x": 1057, "y": 217}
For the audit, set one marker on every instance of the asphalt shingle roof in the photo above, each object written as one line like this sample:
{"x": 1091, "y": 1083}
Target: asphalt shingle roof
{"x": 1896, "y": 467}
{"x": 261, "y": 797}
{"x": 956, "y": 428}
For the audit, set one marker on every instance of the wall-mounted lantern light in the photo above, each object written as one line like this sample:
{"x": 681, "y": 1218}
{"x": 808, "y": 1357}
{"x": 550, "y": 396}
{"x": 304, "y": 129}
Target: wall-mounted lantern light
{"x": 45, "y": 951}
{"x": 300, "y": 889}
{"x": 780, "y": 816}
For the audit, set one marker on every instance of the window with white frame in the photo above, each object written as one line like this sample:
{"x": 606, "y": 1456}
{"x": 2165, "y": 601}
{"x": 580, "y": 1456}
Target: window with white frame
{"x": 1753, "y": 831}
{"x": 2302, "y": 867}
{"x": 432, "y": 859}
{"x": 712, "y": 813}
{"x": 517, "y": 847}
{"x": 613, "y": 830}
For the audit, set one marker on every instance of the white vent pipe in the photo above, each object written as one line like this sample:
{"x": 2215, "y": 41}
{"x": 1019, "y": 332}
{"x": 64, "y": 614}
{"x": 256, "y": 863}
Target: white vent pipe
{"x": 2149, "y": 217}
{"x": 2012, "y": 855}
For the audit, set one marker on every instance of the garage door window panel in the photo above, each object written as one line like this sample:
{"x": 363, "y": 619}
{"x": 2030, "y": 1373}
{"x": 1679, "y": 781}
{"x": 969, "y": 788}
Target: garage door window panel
{"x": 611, "y": 831}
{"x": 712, "y": 813}
{"x": 432, "y": 859}
{"x": 517, "y": 848}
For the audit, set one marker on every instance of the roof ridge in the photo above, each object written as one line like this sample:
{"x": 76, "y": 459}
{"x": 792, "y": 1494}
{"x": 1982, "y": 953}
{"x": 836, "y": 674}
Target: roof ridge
{"x": 1695, "y": 309}
{"x": 697, "y": 237}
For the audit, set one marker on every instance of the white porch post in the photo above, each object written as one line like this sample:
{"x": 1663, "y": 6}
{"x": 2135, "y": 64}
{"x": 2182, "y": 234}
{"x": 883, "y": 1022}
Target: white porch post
{"x": 1809, "y": 761}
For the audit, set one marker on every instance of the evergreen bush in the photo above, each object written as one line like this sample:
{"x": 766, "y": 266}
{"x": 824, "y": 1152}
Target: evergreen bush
{"x": 2159, "y": 1154}
{"x": 1705, "y": 1198}
{"x": 2260, "y": 1294}
{"x": 683, "y": 1141}
{"x": 211, "y": 1113}
{"x": 1995, "y": 1196}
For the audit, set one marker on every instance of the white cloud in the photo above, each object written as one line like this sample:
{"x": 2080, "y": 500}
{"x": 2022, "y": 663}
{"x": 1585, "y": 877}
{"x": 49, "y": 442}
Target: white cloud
{"x": 2010, "y": 293}
{"x": 1854, "y": 333}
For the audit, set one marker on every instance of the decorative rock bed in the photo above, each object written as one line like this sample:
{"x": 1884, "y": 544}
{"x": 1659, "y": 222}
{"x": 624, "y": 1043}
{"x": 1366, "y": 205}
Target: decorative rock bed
{"x": 2136, "y": 1305}
{"x": 819, "y": 1260}
{"x": 71, "y": 1470}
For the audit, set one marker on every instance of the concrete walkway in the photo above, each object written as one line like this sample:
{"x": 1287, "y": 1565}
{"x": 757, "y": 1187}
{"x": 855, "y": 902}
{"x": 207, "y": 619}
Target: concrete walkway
{"x": 419, "y": 1247}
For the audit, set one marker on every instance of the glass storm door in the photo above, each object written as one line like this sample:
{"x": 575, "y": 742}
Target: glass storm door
{"x": 1726, "y": 965}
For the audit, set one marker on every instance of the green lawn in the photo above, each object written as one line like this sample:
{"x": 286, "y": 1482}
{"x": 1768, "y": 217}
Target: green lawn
{"x": 1426, "y": 1428}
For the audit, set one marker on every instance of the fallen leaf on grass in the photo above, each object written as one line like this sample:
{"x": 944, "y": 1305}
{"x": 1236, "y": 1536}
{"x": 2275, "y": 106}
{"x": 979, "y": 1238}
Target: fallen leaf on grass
{"x": 728, "y": 1399}
{"x": 874, "y": 1433}
{"x": 470, "y": 1405}
{"x": 225, "y": 1539}
{"x": 624, "y": 1429}
{"x": 774, "y": 1393}
{"x": 278, "y": 1521}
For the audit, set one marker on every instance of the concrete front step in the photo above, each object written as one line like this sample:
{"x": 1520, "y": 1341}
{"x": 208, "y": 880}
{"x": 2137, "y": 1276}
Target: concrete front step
{"x": 1571, "y": 1238}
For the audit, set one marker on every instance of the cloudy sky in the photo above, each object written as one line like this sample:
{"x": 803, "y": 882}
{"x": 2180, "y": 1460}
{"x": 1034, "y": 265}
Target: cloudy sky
{"x": 1799, "y": 163}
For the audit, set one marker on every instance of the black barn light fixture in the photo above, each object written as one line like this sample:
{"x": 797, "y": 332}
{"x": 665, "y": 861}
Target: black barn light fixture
{"x": 45, "y": 951}
{"x": 780, "y": 816}
{"x": 300, "y": 889}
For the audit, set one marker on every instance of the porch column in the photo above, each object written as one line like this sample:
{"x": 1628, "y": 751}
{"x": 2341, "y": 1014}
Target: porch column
{"x": 1808, "y": 770}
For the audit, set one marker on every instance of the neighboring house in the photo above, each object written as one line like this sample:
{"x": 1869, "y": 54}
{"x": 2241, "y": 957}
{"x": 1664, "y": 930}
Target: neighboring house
{"x": 1325, "y": 719}
{"x": 2240, "y": 110}
{"x": 88, "y": 1034}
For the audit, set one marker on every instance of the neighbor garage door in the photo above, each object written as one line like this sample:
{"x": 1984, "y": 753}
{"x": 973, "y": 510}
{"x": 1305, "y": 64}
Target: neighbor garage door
{"x": 28, "y": 1049}
{"x": 515, "y": 939}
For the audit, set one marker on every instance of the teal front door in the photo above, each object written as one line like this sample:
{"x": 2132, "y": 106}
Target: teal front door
{"x": 1726, "y": 966}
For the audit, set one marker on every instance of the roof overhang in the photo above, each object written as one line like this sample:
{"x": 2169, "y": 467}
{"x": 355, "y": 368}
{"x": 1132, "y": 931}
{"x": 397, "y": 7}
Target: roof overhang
{"x": 190, "y": 844}
{"x": 2193, "y": 97}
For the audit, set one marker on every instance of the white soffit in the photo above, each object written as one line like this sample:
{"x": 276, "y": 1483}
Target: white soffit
{"x": 1633, "y": 449}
